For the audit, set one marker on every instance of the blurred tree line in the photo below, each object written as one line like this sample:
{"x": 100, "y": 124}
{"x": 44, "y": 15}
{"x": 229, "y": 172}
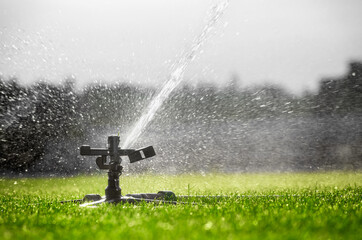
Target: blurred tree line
{"x": 343, "y": 95}
{"x": 40, "y": 118}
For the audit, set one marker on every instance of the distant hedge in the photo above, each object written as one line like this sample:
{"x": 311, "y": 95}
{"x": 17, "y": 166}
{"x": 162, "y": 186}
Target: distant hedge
{"x": 41, "y": 125}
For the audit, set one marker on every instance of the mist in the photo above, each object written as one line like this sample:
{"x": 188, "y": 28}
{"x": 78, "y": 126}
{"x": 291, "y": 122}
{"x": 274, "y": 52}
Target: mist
{"x": 197, "y": 129}
{"x": 263, "y": 87}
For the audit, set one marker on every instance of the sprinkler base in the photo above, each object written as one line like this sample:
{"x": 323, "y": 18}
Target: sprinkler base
{"x": 162, "y": 197}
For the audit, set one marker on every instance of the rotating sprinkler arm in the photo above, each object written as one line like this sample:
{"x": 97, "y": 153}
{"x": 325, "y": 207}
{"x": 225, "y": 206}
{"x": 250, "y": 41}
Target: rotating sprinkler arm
{"x": 88, "y": 151}
{"x": 133, "y": 155}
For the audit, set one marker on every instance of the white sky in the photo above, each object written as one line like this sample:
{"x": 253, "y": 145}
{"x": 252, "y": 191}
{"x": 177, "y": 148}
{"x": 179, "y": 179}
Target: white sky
{"x": 293, "y": 43}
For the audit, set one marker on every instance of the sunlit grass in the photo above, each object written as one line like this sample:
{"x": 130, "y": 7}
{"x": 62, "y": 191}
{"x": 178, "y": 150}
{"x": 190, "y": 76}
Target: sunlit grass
{"x": 312, "y": 206}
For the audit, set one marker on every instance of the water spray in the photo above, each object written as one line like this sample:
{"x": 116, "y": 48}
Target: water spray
{"x": 176, "y": 76}
{"x": 113, "y": 190}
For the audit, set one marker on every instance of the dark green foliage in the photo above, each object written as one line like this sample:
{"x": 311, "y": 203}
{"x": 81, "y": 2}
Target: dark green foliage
{"x": 48, "y": 121}
{"x": 342, "y": 96}
{"x": 111, "y": 105}
{"x": 46, "y": 114}
{"x": 340, "y": 101}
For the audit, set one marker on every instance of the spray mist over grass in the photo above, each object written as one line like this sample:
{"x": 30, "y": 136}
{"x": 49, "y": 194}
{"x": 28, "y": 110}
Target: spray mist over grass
{"x": 176, "y": 76}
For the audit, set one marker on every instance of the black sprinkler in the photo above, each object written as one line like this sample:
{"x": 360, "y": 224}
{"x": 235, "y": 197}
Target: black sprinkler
{"x": 113, "y": 191}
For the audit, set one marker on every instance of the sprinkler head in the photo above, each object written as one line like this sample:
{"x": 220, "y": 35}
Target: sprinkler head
{"x": 114, "y": 152}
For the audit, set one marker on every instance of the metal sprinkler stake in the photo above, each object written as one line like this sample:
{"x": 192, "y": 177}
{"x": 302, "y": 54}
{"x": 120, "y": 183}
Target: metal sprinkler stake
{"x": 113, "y": 190}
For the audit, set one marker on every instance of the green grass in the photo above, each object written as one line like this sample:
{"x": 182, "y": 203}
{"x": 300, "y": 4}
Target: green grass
{"x": 313, "y": 206}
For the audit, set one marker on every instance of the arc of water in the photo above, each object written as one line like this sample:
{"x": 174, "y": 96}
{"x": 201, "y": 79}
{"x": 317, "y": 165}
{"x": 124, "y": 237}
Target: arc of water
{"x": 177, "y": 71}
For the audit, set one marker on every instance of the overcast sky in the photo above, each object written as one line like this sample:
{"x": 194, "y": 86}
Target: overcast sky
{"x": 293, "y": 43}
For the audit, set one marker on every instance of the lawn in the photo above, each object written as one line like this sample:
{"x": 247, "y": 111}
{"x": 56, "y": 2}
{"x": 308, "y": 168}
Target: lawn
{"x": 308, "y": 206}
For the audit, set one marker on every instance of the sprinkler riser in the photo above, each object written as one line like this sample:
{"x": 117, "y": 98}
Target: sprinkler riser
{"x": 113, "y": 190}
